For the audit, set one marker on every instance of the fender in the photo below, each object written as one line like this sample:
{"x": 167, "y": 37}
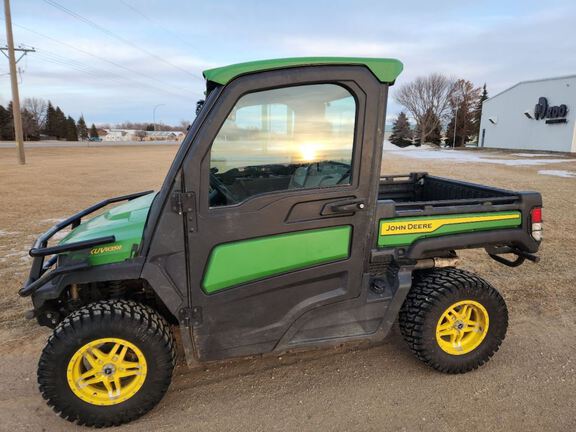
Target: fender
{"x": 54, "y": 286}
{"x": 128, "y": 270}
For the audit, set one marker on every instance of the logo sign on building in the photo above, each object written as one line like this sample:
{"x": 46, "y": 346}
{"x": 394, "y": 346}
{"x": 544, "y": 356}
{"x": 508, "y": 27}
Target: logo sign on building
{"x": 552, "y": 114}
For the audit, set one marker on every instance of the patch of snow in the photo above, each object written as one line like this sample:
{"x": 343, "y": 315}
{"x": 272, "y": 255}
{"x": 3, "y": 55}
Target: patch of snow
{"x": 459, "y": 156}
{"x": 535, "y": 155}
{"x": 51, "y": 220}
{"x": 389, "y": 146}
{"x": 558, "y": 173}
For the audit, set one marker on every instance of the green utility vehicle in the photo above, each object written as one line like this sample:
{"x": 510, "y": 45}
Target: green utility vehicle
{"x": 273, "y": 230}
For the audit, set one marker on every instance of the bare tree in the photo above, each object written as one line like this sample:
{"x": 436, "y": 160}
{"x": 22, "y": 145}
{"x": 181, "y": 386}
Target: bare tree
{"x": 30, "y": 127}
{"x": 425, "y": 96}
{"x": 37, "y": 109}
{"x": 183, "y": 126}
{"x": 143, "y": 126}
{"x": 140, "y": 135}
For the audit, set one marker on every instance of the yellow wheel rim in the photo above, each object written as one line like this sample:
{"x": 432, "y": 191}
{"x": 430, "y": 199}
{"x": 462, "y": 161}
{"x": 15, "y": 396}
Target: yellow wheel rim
{"x": 462, "y": 327}
{"x": 106, "y": 371}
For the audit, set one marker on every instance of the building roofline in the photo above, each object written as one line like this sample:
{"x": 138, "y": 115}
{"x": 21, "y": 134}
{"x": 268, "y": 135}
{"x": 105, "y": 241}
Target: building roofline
{"x": 532, "y": 81}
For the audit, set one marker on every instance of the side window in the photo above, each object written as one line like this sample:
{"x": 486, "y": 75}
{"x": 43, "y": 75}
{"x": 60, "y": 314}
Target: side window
{"x": 289, "y": 138}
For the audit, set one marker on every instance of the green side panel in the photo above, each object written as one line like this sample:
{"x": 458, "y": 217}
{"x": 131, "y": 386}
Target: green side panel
{"x": 386, "y": 70}
{"x": 125, "y": 222}
{"x": 249, "y": 260}
{"x": 447, "y": 229}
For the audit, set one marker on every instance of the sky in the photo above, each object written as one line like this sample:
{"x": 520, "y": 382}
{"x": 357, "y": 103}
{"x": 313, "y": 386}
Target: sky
{"x": 116, "y": 60}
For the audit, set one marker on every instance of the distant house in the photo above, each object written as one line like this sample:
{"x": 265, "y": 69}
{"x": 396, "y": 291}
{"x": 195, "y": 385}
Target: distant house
{"x": 139, "y": 135}
{"x": 164, "y": 136}
{"x": 119, "y": 135}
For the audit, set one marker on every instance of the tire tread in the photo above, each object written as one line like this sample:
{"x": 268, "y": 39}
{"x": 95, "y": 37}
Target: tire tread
{"x": 428, "y": 289}
{"x": 142, "y": 316}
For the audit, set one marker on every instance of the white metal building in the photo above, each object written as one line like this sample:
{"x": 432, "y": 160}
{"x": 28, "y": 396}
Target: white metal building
{"x": 532, "y": 115}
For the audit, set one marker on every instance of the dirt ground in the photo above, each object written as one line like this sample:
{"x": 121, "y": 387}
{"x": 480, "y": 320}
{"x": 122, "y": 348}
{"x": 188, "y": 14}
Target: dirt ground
{"x": 529, "y": 385}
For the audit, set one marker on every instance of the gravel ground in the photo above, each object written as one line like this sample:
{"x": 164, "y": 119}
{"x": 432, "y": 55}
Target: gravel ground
{"x": 529, "y": 384}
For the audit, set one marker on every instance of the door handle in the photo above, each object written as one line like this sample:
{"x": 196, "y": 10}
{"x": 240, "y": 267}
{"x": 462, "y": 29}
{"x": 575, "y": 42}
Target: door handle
{"x": 348, "y": 206}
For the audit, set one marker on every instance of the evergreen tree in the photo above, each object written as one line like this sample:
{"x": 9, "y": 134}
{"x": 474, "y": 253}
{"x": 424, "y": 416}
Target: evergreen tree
{"x": 61, "y": 124}
{"x": 464, "y": 126}
{"x": 93, "y": 131}
{"x": 401, "y": 131}
{"x": 435, "y": 137}
{"x": 3, "y": 121}
{"x": 71, "y": 130}
{"x": 150, "y": 128}
{"x": 51, "y": 126}
{"x": 82, "y": 128}
{"x": 6, "y": 124}
{"x": 465, "y": 98}
{"x": 477, "y": 113}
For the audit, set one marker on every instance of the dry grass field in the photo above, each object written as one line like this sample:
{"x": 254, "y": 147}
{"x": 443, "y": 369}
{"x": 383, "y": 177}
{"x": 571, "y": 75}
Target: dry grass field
{"x": 529, "y": 384}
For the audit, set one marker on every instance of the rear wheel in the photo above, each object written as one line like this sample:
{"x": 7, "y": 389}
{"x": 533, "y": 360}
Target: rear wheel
{"x": 107, "y": 363}
{"x": 453, "y": 320}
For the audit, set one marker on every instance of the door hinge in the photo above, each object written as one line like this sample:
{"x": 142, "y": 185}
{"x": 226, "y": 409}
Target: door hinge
{"x": 190, "y": 316}
{"x": 183, "y": 202}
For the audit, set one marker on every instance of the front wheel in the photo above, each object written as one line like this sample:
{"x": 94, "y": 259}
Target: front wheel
{"x": 107, "y": 363}
{"x": 453, "y": 320}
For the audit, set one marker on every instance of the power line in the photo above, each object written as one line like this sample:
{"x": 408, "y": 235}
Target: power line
{"x": 132, "y": 71}
{"x": 58, "y": 59}
{"x": 156, "y": 23}
{"x": 116, "y": 36}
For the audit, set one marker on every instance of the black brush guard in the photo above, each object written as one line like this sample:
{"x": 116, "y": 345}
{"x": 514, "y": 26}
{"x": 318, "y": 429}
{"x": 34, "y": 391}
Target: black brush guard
{"x": 40, "y": 248}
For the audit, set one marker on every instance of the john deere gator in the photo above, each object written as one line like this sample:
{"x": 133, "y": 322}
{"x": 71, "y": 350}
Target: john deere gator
{"x": 273, "y": 230}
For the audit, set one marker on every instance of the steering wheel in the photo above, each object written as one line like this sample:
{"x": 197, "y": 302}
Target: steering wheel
{"x": 217, "y": 185}
{"x": 345, "y": 176}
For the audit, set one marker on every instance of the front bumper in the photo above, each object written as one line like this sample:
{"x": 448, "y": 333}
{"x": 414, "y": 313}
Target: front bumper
{"x": 40, "y": 273}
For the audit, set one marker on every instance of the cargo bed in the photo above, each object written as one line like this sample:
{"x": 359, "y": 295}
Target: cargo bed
{"x": 422, "y": 192}
{"x": 420, "y": 214}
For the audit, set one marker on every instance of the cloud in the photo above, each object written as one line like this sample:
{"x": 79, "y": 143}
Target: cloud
{"x": 496, "y": 42}
{"x": 338, "y": 46}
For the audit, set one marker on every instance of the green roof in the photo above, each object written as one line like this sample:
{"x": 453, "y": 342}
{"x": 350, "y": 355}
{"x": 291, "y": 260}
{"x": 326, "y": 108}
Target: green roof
{"x": 385, "y": 70}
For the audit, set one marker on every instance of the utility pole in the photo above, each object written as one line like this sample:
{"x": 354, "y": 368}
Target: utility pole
{"x": 154, "y": 115}
{"x": 14, "y": 80}
{"x": 455, "y": 127}
{"x": 24, "y": 51}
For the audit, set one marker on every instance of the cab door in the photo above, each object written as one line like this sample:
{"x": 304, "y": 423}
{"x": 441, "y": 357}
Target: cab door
{"x": 284, "y": 173}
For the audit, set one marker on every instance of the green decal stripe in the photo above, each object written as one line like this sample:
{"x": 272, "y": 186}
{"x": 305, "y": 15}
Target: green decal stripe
{"x": 243, "y": 261}
{"x": 447, "y": 229}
